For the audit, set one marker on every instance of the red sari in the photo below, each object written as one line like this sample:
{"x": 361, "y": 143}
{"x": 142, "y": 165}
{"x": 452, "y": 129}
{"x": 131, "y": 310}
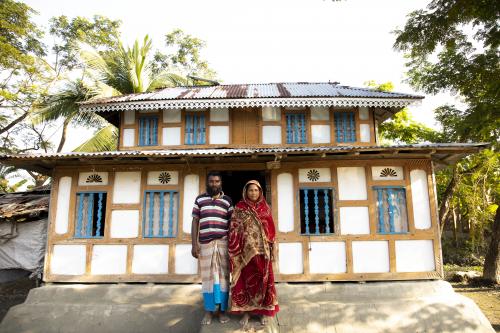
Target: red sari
{"x": 251, "y": 241}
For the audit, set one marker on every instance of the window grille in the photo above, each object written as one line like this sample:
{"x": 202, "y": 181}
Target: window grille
{"x": 345, "y": 126}
{"x": 316, "y": 211}
{"x": 91, "y": 213}
{"x": 392, "y": 217}
{"x": 160, "y": 214}
{"x": 296, "y": 131}
{"x": 195, "y": 131}
{"x": 148, "y": 131}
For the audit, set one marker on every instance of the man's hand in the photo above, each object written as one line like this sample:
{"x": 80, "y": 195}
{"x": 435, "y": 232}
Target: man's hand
{"x": 195, "y": 251}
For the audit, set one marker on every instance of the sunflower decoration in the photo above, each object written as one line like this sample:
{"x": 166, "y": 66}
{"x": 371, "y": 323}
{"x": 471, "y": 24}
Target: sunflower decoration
{"x": 313, "y": 175}
{"x": 388, "y": 172}
{"x": 164, "y": 177}
{"x": 94, "y": 178}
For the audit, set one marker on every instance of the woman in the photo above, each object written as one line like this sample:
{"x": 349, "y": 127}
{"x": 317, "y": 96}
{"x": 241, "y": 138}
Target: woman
{"x": 251, "y": 242}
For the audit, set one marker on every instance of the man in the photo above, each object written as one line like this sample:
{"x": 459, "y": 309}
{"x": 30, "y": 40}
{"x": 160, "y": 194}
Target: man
{"x": 211, "y": 215}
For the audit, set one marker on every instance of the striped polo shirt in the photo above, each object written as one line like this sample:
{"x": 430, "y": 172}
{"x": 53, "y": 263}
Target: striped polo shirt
{"x": 213, "y": 215}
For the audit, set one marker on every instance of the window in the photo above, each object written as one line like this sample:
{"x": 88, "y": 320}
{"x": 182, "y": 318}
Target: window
{"x": 160, "y": 214}
{"x": 391, "y": 210}
{"x": 91, "y": 213}
{"x": 316, "y": 211}
{"x": 345, "y": 126}
{"x": 296, "y": 128}
{"x": 148, "y": 131}
{"x": 195, "y": 131}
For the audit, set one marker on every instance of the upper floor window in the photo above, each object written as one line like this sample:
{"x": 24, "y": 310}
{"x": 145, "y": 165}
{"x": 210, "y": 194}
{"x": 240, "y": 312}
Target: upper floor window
{"x": 296, "y": 130}
{"x": 195, "y": 130}
{"x": 392, "y": 216}
{"x": 345, "y": 126}
{"x": 91, "y": 213}
{"x": 148, "y": 131}
{"x": 316, "y": 211}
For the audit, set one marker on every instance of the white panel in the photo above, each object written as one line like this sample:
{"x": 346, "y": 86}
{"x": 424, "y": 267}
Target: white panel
{"x": 150, "y": 259}
{"x": 88, "y": 178}
{"x": 129, "y": 117}
{"x": 320, "y": 133}
{"x": 171, "y": 136}
{"x": 185, "y": 263}
{"x": 290, "y": 258}
{"x": 415, "y": 256}
{"x": 363, "y": 113}
{"x": 163, "y": 177}
{"x": 172, "y": 116}
{"x": 219, "y": 135}
{"x": 68, "y": 260}
{"x": 124, "y": 223}
{"x": 128, "y": 137}
{"x": 285, "y": 198}
{"x": 271, "y": 135}
{"x": 62, "y": 210}
{"x": 327, "y": 257}
{"x": 109, "y": 259}
{"x": 219, "y": 114}
{"x": 354, "y": 221}
{"x": 420, "y": 199}
{"x": 320, "y": 113}
{"x": 191, "y": 191}
{"x": 127, "y": 187}
{"x": 387, "y": 173}
{"x": 315, "y": 175}
{"x": 271, "y": 113}
{"x": 352, "y": 183}
{"x": 364, "y": 132}
{"x": 370, "y": 256}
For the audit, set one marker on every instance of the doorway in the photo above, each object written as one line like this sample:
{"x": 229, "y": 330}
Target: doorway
{"x": 233, "y": 182}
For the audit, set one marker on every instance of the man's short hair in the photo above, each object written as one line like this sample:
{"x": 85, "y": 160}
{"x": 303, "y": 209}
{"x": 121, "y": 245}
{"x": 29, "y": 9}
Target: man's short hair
{"x": 214, "y": 174}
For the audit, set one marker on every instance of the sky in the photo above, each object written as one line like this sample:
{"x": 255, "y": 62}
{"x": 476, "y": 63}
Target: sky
{"x": 264, "y": 41}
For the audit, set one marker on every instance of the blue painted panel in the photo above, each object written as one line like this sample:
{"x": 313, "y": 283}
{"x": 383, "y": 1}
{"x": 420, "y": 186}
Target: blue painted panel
{"x": 316, "y": 211}
{"x": 80, "y": 215}
{"x": 151, "y": 211}
{"x": 162, "y": 204}
{"x": 99, "y": 214}
{"x": 390, "y": 206}
{"x": 303, "y": 128}
{"x": 352, "y": 130}
{"x": 171, "y": 215}
{"x": 203, "y": 130}
{"x": 288, "y": 128}
{"x": 90, "y": 209}
{"x": 187, "y": 134}
{"x": 306, "y": 210}
{"x": 380, "y": 206}
{"x": 327, "y": 211}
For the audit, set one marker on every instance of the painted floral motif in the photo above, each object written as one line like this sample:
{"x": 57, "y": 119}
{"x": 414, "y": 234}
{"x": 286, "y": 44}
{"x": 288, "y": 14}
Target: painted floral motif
{"x": 388, "y": 172}
{"x": 164, "y": 178}
{"x": 313, "y": 175}
{"x": 94, "y": 178}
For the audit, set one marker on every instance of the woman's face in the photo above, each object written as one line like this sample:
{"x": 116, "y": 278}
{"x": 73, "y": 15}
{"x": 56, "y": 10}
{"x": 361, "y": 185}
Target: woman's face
{"x": 253, "y": 192}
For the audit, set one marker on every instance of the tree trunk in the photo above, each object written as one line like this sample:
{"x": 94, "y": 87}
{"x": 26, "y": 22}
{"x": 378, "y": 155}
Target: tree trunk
{"x": 492, "y": 261}
{"x": 455, "y": 237}
{"x": 14, "y": 122}
{"x": 444, "y": 206}
{"x": 63, "y": 135}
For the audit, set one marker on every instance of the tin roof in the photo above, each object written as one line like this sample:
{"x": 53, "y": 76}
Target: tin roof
{"x": 243, "y": 95}
{"x": 24, "y": 206}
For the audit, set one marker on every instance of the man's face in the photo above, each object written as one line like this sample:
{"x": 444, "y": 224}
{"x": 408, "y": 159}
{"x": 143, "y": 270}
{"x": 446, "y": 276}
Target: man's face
{"x": 214, "y": 185}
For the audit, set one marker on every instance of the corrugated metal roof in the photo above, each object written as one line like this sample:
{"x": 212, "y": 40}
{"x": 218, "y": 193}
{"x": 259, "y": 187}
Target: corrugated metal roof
{"x": 265, "y": 90}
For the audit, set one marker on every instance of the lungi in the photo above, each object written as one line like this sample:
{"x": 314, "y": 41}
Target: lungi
{"x": 214, "y": 264}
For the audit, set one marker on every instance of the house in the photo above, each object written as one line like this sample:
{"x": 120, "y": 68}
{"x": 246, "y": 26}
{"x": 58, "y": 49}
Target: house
{"x": 346, "y": 208}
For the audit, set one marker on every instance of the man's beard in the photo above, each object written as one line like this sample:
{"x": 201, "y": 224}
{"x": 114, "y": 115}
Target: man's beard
{"x": 212, "y": 191}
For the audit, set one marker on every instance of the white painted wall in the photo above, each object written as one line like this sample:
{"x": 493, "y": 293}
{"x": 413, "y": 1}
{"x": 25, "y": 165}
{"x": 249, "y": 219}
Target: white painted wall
{"x": 420, "y": 199}
{"x": 127, "y": 187}
{"x": 171, "y": 136}
{"x": 219, "y": 114}
{"x": 363, "y": 113}
{"x": 191, "y": 191}
{"x": 352, "y": 183}
{"x": 154, "y": 177}
{"x": 68, "y": 259}
{"x": 150, "y": 259}
{"x": 327, "y": 258}
{"x": 325, "y": 175}
{"x": 290, "y": 258}
{"x": 129, "y": 117}
{"x": 271, "y": 135}
{"x": 320, "y": 133}
{"x": 271, "y": 113}
{"x": 172, "y": 116}
{"x": 62, "y": 210}
{"x": 370, "y": 256}
{"x": 128, "y": 137}
{"x": 124, "y": 223}
{"x": 415, "y": 256}
{"x": 320, "y": 113}
{"x": 364, "y": 133}
{"x": 285, "y": 200}
{"x": 377, "y": 170}
{"x": 82, "y": 178}
{"x": 354, "y": 221}
{"x": 184, "y": 261}
{"x": 219, "y": 135}
{"x": 109, "y": 259}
